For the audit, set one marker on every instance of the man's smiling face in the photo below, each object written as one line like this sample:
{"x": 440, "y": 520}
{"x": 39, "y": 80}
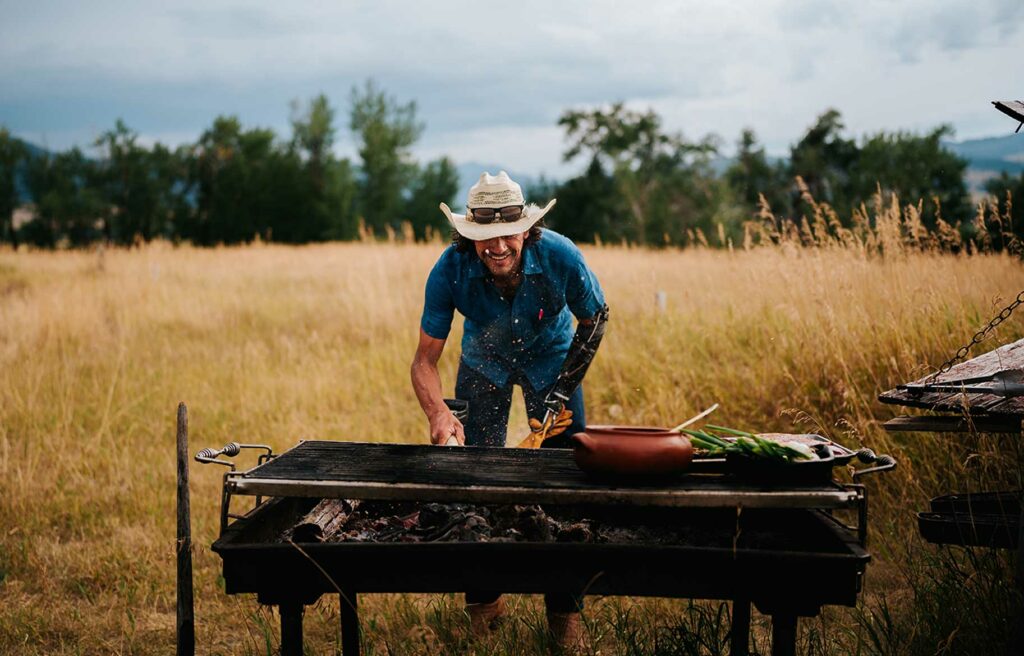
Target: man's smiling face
{"x": 501, "y": 255}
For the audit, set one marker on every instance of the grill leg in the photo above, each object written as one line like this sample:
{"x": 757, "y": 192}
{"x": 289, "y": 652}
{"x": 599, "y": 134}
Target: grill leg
{"x": 1018, "y": 631}
{"x": 784, "y": 634}
{"x": 349, "y": 623}
{"x": 739, "y": 634}
{"x": 291, "y": 628}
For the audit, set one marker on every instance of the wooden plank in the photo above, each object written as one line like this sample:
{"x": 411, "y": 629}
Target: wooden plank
{"x": 1010, "y": 356}
{"x": 1012, "y": 108}
{"x": 1014, "y": 407}
{"x": 954, "y": 424}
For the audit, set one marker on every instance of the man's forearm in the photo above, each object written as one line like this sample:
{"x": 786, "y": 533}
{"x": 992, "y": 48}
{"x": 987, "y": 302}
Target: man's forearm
{"x": 426, "y": 383}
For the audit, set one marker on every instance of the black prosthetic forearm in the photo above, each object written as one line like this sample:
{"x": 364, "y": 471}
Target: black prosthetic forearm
{"x": 581, "y": 353}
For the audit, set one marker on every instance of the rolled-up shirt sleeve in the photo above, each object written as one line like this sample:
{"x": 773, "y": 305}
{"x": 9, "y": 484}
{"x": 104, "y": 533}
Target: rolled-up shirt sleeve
{"x": 583, "y": 292}
{"x": 438, "y": 303}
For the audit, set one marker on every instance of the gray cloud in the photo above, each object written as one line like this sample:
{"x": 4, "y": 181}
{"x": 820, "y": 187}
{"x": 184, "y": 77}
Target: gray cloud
{"x": 498, "y": 77}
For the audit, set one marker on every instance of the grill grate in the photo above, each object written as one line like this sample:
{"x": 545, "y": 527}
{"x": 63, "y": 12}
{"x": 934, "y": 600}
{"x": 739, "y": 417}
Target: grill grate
{"x": 410, "y": 463}
{"x": 499, "y": 475}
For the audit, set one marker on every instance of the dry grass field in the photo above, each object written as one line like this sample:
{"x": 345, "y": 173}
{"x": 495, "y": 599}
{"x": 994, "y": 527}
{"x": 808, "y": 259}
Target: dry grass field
{"x": 273, "y": 344}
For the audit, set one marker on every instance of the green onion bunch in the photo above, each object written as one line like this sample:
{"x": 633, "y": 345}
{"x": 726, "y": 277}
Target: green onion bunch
{"x": 747, "y": 444}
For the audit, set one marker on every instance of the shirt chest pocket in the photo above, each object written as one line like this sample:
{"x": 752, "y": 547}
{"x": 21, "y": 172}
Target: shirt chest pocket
{"x": 548, "y": 304}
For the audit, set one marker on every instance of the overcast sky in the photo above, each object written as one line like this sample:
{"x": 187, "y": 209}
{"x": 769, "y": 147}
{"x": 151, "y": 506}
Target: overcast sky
{"x": 492, "y": 78}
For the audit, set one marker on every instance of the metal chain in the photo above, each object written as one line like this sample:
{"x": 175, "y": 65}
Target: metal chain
{"x": 979, "y": 337}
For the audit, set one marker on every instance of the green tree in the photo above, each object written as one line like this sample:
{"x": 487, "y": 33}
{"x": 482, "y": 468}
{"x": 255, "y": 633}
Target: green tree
{"x": 437, "y": 182}
{"x": 141, "y": 186}
{"x": 1008, "y": 193}
{"x": 824, "y": 160}
{"x": 313, "y": 129}
{"x": 752, "y": 175}
{"x": 385, "y": 131}
{"x": 912, "y": 167}
{"x": 12, "y": 154}
{"x": 329, "y": 183}
{"x": 589, "y": 206}
{"x": 246, "y": 185}
{"x": 68, "y": 197}
{"x": 339, "y": 200}
{"x": 664, "y": 181}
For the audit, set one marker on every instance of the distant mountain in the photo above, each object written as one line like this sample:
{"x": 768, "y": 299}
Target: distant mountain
{"x": 988, "y": 157}
{"x": 33, "y": 150}
{"x": 1008, "y": 148}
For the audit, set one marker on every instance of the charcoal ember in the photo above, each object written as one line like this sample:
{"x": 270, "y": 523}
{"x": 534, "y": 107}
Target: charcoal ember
{"x": 433, "y": 515}
{"x": 534, "y": 524}
{"x": 474, "y": 529}
{"x": 623, "y": 534}
{"x": 355, "y": 536}
{"x": 505, "y": 534}
{"x": 505, "y": 516}
{"x": 576, "y": 532}
{"x": 410, "y": 521}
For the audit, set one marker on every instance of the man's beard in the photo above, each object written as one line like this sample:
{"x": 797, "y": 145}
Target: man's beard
{"x": 504, "y": 274}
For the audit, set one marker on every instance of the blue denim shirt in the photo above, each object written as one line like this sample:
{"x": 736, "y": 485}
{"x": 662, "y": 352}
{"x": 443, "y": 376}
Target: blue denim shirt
{"x": 532, "y": 332}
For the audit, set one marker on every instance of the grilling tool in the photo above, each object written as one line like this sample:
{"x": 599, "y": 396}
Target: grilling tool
{"x": 460, "y": 410}
{"x": 1007, "y": 383}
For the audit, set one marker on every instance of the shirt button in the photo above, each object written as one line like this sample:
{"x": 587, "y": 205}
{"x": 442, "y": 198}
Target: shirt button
{"x": 515, "y": 321}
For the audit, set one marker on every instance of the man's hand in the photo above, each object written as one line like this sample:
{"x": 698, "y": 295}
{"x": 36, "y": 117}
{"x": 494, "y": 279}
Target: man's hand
{"x": 553, "y": 424}
{"x": 446, "y": 430}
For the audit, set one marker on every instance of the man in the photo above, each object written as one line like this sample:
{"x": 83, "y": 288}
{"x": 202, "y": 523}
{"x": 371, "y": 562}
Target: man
{"x": 518, "y": 287}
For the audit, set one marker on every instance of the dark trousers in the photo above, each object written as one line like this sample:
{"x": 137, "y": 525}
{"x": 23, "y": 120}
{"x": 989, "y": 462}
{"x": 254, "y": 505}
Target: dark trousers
{"x": 485, "y": 425}
{"x": 489, "y": 404}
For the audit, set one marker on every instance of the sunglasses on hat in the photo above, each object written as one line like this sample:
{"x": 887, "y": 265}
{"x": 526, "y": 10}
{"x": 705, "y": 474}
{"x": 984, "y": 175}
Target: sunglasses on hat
{"x": 487, "y": 215}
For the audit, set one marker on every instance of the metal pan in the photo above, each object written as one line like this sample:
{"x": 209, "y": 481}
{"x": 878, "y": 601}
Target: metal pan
{"x": 810, "y": 472}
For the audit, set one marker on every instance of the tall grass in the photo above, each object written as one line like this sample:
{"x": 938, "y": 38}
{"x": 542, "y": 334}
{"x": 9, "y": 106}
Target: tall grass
{"x": 274, "y": 344}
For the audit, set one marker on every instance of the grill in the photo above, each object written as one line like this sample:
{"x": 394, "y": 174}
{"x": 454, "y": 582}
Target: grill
{"x": 748, "y": 536}
{"x": 983, "y": 394}
{"x": 983, "y": 519}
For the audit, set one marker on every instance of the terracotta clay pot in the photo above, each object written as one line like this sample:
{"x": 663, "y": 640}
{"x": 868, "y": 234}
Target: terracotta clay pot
{"x": 631, "y": 451}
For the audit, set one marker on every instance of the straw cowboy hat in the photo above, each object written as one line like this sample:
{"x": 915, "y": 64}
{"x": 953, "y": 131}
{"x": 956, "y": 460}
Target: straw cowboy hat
{"x": 495, "y": 192}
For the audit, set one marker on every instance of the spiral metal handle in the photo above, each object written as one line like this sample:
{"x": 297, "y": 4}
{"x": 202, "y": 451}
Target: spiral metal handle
{"x": 209, "y": 455}
{"x": 882, "y": 462}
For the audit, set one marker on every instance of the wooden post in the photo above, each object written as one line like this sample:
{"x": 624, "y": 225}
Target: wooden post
{"x": 186, "y": 621}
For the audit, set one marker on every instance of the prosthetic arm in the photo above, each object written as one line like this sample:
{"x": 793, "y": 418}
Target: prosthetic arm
{"x": 589, "y": 333}
{"x": 581, "y": 353}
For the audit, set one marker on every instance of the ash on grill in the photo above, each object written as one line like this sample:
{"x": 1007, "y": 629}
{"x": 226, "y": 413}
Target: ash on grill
{"x": 340, "y": 520}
